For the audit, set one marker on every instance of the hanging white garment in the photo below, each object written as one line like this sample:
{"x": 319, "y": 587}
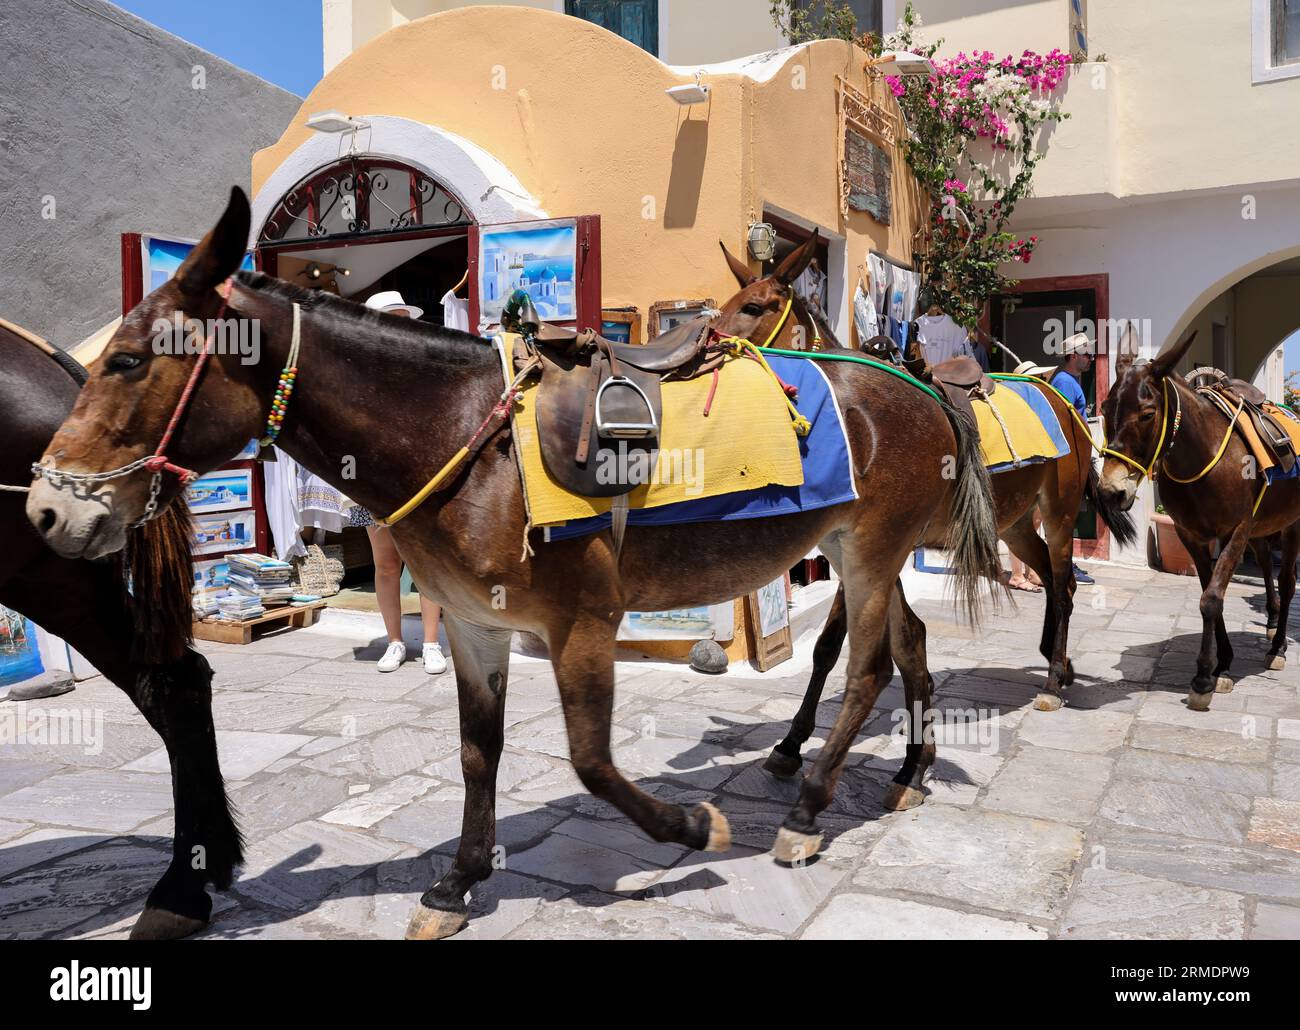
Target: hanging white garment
{"x": 455, "y": 311}
{"x": 296, "y": 500}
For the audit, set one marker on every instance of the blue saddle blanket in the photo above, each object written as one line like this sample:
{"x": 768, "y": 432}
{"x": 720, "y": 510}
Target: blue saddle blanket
{"x": 824, "y": 452}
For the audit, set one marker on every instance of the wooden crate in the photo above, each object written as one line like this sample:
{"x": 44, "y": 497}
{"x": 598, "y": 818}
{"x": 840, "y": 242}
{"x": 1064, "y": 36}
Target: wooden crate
{"x": 242, "y": 632}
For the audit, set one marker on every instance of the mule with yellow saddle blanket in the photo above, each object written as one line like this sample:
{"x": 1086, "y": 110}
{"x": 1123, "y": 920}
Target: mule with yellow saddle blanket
{"x": 420, "y": 413}
{"x": 1039, "y": 454}
{"x": 1228, "y": 475}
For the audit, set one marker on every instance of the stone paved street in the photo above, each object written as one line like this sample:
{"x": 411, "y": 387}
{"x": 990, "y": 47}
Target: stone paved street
{"x": 1123, "y": 815}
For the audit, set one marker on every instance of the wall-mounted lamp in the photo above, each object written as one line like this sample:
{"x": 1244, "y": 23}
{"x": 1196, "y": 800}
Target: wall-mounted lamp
{"x": 333, "y": 122}
{"x": 901, "y": 62}
{"x": 696, "y": 92}
{"x": 762, "y": 241}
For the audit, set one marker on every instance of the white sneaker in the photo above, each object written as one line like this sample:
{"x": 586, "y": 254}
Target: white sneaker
{"x": 393, "y": 657}
{"x": 434, "y": 662}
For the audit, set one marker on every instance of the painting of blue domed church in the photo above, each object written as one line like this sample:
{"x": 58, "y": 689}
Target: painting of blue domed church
{"x": 536, "y": 257}
{"x": 221, "y": 490}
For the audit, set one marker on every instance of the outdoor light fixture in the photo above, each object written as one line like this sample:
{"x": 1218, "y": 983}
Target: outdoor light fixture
{"x": 333, "y": 121}
{"x": 696, "y": 92}
{"x": 901, "y": 62}
{"x": 762, "y": 241}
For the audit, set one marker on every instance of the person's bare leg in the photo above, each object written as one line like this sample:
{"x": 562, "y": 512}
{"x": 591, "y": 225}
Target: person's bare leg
{"x": 388, "y": 580}
{"x": 430, "y": 613}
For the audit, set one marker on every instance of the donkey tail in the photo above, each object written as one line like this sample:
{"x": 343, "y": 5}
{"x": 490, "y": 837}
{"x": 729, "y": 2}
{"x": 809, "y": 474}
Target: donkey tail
{"x": 161, "y": 571}
{"x": 1120, "y": 523}
{"x": 973, "y": 527}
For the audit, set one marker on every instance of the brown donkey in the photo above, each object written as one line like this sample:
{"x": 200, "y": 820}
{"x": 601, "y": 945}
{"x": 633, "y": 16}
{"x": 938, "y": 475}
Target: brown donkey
{"x": 1157, "y": 424}
{"x": 138, "y": 638}
{"x": 1053, "y": 488}
{"x": 398, "y": 398}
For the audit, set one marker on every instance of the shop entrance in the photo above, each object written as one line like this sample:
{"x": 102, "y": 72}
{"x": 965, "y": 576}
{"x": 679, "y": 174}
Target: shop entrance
{"x": 1033, "y": 317}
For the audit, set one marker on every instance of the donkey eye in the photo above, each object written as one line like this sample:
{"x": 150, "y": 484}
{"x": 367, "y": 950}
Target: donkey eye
{"x": 122, "y": 362}
{"x": 1147, "y": 415}
{"x": 751, "y": 309}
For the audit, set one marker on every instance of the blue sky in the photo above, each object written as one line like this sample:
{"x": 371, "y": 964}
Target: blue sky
{"x": 278, "y": 40}
{"x": 1292, "y": 352}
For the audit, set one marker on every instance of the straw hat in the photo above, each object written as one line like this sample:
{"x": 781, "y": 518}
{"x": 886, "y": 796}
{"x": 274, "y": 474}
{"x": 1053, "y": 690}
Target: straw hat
{"x": 1028, "y": 368}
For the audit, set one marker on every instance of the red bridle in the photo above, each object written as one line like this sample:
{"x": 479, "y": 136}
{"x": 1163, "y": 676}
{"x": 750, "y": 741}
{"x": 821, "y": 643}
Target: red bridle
{"x": 158, "y": 462}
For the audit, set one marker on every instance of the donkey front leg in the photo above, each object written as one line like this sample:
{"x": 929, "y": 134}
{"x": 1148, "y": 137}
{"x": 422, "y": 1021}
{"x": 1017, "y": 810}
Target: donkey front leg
{"x": 481, "y": 658}
{"x": 870, "y": 666}
{"x": 1215, "y": 657}
{"x": 1286, "y": 588}
{"x": 907, "y": 644}
{"x": 582, "y": 653}
{"x": 785, "y": 759}
{"x": 1263, "y": 548}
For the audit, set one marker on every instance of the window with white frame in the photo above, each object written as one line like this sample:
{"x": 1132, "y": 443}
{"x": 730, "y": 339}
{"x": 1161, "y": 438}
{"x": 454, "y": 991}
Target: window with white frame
{"x": 1284, "y": 25}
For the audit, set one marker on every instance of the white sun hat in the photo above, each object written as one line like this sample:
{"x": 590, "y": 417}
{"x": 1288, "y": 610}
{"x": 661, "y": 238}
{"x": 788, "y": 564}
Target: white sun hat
{"x": 391, "y": 300}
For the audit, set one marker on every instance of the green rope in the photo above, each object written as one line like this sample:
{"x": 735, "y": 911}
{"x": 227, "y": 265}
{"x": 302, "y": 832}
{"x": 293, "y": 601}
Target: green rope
{"x": 824, "y": 356}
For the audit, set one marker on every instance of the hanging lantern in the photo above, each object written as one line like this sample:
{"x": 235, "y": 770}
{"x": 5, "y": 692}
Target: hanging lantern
{"x": 762, "y": 241}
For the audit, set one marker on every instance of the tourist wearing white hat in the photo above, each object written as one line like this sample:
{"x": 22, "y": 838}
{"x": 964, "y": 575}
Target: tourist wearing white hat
{"x": 388, "y": 563}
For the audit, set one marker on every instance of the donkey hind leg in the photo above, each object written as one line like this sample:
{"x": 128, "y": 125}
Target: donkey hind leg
{"x": 1053, "y": 566}
{"x": 1215, "y": 656}
{"x": 907, "y": 644}
{"x": 1263, "y": 549}
{"x": 481, "y": 658}
{"x": 785, "y": 759}
{"x": 870, "y": 667}
{"x": 1286, "y": 588}
{"x": 582, "y": 653}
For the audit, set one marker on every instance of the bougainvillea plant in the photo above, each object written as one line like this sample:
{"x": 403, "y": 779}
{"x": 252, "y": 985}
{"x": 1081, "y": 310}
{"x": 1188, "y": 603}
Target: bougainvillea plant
{"x": 972, "y": 142}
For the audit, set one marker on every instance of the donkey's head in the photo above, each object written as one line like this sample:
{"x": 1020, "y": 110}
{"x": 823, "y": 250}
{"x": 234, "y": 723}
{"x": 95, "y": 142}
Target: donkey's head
{"x": 759, "y": 311}
{"x": 1136, "y": 421}
{"x": 123, "y": 411}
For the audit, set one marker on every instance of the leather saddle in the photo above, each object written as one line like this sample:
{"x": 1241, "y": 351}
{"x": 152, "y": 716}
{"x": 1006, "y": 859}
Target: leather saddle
{"x": 1220, "y": 388}
{"x": 962, "y": 378}
{"x": 599, "y": 406}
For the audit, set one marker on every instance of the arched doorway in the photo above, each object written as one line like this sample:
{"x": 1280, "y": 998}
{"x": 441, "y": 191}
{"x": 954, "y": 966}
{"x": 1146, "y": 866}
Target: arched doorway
{"x": 366, "y": 224}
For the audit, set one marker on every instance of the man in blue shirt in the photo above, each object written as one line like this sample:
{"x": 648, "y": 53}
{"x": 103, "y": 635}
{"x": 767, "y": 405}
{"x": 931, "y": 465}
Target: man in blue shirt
{"x": 1076, "y": 359}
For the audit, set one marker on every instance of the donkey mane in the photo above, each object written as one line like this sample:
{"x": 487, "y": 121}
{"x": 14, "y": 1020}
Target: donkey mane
{"x": 450, "y": 346}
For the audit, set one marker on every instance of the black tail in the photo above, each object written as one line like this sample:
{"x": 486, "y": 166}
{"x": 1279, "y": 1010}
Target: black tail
{"x": 1120, "y": 523}
{"x": 973, "y": 528}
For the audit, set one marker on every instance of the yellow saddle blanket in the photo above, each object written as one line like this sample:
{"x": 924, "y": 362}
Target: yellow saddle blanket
{"x": 1011, "y": 432}
{"x": 746, "y": 442}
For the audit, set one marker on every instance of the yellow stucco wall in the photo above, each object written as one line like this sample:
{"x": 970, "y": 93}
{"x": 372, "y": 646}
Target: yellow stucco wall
{"x": 584, "y": 124}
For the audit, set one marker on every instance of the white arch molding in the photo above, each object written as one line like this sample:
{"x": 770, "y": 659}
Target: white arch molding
{"x": 487, "y": 188}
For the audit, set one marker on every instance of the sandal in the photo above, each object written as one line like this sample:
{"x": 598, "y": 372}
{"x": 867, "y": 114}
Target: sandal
{"x": 1021, "y": 583}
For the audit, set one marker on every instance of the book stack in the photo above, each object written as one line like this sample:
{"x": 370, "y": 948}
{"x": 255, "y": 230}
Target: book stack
{"x": 205, "y": 605}
{"x": 234, "y": 606}
{"x": 260, "y": 579}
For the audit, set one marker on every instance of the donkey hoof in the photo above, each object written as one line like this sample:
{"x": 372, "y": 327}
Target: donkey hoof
{"x": 792, "y": 847}
{"x": 1223, "y": 685}
{"x": 782, "y": 765}
{"x": 719, "y": 828}
{"x": 901, "y": 796}
{"x": 1276, "y": 662}
{"x": 157, "y": 924}
{"x": 1199, "y": 702}
{"x": 433, "y": 924}
{"x": 1045, "y": 702}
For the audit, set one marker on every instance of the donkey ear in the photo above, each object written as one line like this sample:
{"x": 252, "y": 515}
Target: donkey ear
{"x": 738, "y": 268}
{"x": 1163, "y": 364}
{"x": 1123, "y": 362}
{"x": 797, "y": 260}
{"x": 220, "y": 252}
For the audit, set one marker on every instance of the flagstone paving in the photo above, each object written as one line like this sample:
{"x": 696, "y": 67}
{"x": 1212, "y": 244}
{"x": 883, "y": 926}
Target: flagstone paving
{"x": 1122, "y": 815}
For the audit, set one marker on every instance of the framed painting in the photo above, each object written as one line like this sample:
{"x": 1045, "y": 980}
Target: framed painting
{"x": 769, "y": 618}
{"x": 664, "y": 314}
